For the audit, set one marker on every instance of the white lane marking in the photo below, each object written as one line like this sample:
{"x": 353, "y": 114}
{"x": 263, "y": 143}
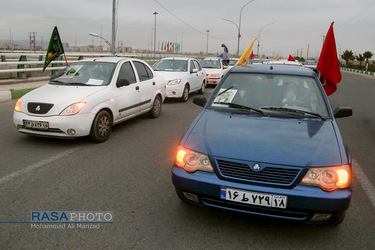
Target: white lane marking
{"x": 34, "y": 166}
{"x": 364, "y": 181}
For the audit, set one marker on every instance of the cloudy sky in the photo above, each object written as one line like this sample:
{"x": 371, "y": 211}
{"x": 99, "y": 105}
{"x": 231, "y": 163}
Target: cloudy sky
{"x": 285, "y": 26}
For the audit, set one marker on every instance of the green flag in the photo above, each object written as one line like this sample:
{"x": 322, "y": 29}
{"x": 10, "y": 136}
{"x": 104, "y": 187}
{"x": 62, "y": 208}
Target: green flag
{"x": 55, "y": 48}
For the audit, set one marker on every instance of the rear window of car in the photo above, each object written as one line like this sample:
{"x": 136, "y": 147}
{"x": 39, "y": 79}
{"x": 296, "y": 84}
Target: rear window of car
{"x": 171, "y": 65}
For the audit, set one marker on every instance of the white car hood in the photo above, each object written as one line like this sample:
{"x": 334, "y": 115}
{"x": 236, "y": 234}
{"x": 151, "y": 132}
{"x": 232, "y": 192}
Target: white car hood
{"x": 59, "y": 95}
{"x": 170, "y": 75}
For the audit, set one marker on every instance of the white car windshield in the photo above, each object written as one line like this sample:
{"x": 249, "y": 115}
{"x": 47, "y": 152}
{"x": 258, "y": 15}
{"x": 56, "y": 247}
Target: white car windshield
{"x": 171, "y": 65}
{"x": 210, "y": 64}
{"x": 271, "y": 93}
{"x": 85, "y": 74}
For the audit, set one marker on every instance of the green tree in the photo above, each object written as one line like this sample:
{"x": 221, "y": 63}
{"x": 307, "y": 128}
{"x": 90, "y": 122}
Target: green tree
{"x": 360, "y": 58}
{"x": 367, "y": 55}
{"x": 347, "y": 56}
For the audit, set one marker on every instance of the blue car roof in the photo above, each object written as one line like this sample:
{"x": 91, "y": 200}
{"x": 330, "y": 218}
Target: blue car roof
{"x": 274, "y": 69}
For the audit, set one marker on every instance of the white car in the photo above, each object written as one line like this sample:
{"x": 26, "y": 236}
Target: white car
{"x": 285, "y": 62}
{"x": 232, "y": 62}
{"x": 312, "y": 64}
{"x": 88, "y": 97}
{"x": 183, "y": 75}
{"x": 215, "y": 69}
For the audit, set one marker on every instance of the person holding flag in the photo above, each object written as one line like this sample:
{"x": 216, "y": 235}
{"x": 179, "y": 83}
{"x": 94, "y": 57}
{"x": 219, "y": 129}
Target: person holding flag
{"x": 55, "y": 48}
{"x": 225, "y": 55}
{"x": 328, "y": 63}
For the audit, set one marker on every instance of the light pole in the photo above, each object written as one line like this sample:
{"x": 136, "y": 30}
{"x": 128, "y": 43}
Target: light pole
{"x": 113, "y": 27}
{"x": 307, "y": 55}
{"x": 239, "y": 27}
{"x": 207, "y": 42}
{"x": 259, "y": 36}
{"x": 238, "y": 35}
{"x": 105, "y": 40}
{"x": 155, "y": 13}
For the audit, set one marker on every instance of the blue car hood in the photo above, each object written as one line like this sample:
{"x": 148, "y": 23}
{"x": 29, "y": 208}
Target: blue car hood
{"x": 275, "y": 140}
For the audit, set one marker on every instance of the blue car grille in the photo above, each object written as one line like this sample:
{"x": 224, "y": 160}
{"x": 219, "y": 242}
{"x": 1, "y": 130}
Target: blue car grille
{"x": 279, "y": 175}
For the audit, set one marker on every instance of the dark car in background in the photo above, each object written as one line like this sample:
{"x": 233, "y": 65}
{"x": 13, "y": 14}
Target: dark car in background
{"x": 267, "y": 144}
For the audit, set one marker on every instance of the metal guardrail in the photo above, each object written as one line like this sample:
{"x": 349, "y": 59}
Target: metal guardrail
{"x": 26, "y": 64}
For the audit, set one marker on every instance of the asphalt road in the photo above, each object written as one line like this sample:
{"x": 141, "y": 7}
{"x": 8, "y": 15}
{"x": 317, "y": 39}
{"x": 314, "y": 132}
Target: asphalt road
{"x": 130, "y": 175}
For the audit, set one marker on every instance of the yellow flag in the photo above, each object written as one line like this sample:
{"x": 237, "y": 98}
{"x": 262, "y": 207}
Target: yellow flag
{"x": 277, "y": 58}
{"x": 260, "y": 58}
{"x": 246, "y": 54}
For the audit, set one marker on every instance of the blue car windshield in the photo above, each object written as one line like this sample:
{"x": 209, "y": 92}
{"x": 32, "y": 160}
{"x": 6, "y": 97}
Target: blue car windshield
{"x": 270, "y": 93}
{"x": 85, "y": 74}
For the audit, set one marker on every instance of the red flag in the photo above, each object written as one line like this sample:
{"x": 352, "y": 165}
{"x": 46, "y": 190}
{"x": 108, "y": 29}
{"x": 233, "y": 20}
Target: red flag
{"x": 291, "y": 58}
{"x": 251, "y": 55}
{"x": 328, "y": 63}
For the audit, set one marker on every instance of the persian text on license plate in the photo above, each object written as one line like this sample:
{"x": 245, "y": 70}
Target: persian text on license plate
{"x": 253, "y": 198}
{"x": 36, "y": 125}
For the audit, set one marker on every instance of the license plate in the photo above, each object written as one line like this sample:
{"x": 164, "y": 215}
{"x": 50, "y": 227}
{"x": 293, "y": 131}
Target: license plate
{"x": 36, "y": 125}
{"x": 253, "y": 198}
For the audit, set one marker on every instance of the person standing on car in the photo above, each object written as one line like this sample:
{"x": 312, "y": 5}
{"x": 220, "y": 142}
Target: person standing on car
{"x": 225, "y": 55}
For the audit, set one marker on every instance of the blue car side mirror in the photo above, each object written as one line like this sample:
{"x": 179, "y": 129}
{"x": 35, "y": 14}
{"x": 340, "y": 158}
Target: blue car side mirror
{"x": 341, "y": 112}
{"x": 200, "y": 101}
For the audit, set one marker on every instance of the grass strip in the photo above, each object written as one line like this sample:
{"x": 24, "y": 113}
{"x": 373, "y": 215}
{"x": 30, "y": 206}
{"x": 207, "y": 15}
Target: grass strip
{"x": 17, "y": 93}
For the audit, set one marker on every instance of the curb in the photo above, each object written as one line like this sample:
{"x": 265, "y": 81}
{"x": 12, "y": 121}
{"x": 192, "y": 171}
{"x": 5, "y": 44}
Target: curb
{"x": 15, "y": 88}
{"x": 8, "y": 95}
{"x": 359, "y": 71}
{"x": 5, "y": 96}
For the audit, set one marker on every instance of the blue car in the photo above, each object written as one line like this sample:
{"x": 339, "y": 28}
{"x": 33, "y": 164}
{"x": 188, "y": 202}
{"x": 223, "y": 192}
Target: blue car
{"x": 267, "y": 144}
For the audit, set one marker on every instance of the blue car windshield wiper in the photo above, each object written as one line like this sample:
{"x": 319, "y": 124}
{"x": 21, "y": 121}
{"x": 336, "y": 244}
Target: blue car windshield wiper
{"x": 295, "y": 111}
{"x": 222, "y": 92}
{"x": 240, "y": 106}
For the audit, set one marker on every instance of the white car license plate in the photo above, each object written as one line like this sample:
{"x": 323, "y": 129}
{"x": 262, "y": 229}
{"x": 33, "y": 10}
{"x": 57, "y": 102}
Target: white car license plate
{"x": 253, "y": 198}
{"x": 36, "y": 125}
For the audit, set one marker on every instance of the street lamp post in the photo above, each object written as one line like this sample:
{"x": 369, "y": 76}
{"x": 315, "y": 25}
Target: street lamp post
{"x": 113, "y": 50}
{"x": 105, "y": 40}
{"x": 207, "y": 42}
{"x": 155, "y": 13}
{"x": 259, "y": 37}
{"x": 239, "y": 27}
{"x": 239, "y": 35}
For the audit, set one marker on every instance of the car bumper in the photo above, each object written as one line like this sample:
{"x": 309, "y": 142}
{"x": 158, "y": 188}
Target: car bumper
{"x": 174, "y": 91}
{"x": 211, "y": 80}
{"x": 304, "y": 203}
{"x": 58, "y": 125}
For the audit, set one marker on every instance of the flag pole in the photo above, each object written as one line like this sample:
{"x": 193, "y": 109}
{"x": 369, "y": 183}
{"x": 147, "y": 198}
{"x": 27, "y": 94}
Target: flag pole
{"x": 66, "y": 60}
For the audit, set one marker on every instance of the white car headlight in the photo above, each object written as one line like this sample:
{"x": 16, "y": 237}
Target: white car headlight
{"x": 173, "y": 82}
{"x": 192, "y": 161}
{"x": 18, "y": 105}
{"x": 73, "y": 109}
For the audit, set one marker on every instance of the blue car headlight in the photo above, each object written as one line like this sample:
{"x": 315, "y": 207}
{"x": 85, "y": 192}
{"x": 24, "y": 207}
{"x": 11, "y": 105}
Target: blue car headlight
{"x": 192, "y": 161}
{"x": 328, "y": 178}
